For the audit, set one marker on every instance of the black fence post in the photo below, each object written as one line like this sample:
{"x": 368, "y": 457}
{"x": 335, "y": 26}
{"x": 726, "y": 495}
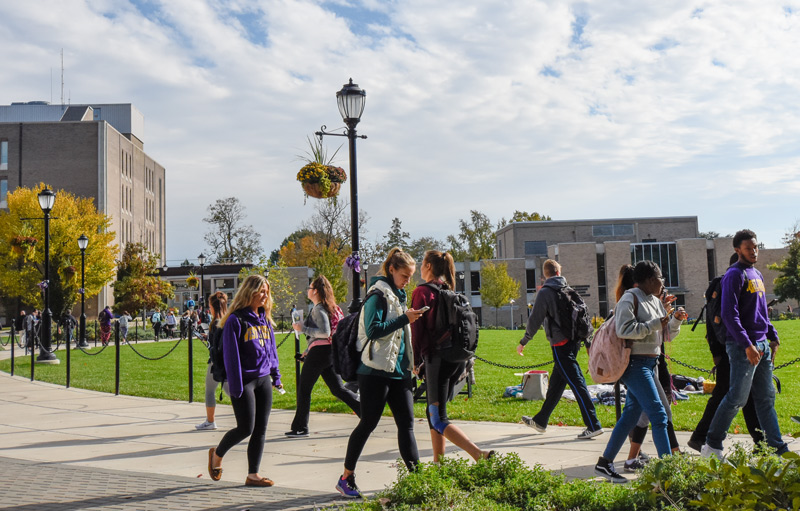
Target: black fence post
{"x": 13, "y": 342}
{"x": 95, "y": 333}
{"x": 191, "y": 366}
{"x": 32, "y": 344}
{"x": 66, "y": 333}
{"x": 617, "y": 403}
{"x": 116, "y": 345}
{"x": 296, "y": 360}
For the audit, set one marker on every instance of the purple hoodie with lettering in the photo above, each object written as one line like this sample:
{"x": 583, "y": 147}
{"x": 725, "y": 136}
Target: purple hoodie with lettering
{"x": 744, "y": 306}
{"x": 248, "y": 347}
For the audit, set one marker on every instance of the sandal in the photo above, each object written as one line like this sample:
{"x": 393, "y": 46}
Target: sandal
{"x": 215, "y": 473}
{"x": 263, "y": 482}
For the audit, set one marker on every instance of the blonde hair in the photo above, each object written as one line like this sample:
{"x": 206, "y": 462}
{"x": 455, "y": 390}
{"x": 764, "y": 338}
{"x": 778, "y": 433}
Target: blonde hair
{"x": 244, "y": 297}
{"x": 398, "y": 259}
{"x": 550, "y": 268}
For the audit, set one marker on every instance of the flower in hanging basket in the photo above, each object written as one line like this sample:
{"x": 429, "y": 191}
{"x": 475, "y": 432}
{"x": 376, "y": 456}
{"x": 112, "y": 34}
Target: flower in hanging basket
{"x": 192, "y": 280}
{"x": 69, "y": 274}
{"x": 24, "y": 246}
{"x": 321, "y": 181}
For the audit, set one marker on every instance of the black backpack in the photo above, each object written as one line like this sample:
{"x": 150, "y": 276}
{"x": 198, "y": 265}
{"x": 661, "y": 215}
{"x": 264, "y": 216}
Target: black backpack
{"x": 573, "y": 315}
{"x": 346, "y": 357}
{"x": 715, "y": 328}
{"x": 215, "y": 350}
{"x": 456, "y": 325}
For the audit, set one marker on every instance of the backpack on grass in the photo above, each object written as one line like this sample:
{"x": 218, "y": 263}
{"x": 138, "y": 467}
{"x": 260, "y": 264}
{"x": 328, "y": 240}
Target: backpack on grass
{"x": 346, "y": 357}
{"x": 608, "y": 354}
{"x": 456, "y": 325}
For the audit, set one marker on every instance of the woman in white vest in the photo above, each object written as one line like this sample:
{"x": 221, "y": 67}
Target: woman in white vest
{"x": 387, "y": 362}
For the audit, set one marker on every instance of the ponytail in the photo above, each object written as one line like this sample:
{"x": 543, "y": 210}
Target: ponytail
{"x": 442, "y": 266}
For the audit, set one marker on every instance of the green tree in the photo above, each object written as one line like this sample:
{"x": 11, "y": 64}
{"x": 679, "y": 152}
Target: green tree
{"x": 330, "y": 263}
{"x": 787, "y": 284}
{"x": 137, "y": 286}
{"x": 497, "y": 286}
{"x": 522, "y": 216}
{"x": 22, "y": 249}
{"x": 228, "y": 239}
{"x": 296, "y": 236}
{"x": 285, "y": 290}
{"x": 475, "y": 239}
{"x": 419, "y": 246}
{"x": 396, "y": 237}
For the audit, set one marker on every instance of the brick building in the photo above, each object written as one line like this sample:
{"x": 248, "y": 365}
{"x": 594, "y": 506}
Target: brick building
{"x": 94, "y": 151}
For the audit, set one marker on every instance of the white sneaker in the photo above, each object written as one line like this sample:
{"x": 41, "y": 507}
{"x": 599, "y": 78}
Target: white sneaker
{"x": 707, "y": 451}
{"x": 205, "y": 425}
{"x": 528, "y": 421}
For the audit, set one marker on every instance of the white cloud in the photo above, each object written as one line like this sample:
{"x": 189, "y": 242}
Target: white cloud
{"x": 492, "y": 106}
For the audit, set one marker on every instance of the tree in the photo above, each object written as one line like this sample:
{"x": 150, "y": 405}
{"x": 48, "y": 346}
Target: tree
{"x": 301, "y": 253}
{"x": 522, "y": 216}
{"x": 330, "y": 263}
{"x": 285, "y": 290}
{"x": 396, "y": 237}
{"x": 227, "y": 238}
{"x": 475, "y": 239}
{"x": 275, "y": 255}
{"x": 421, "y": 245}
{"x": 22, "y": 249}
{"x": 137, "y": 286}
{"x": 787, "y": 285}
{"x": 497, "y": 286}
{"x": 709, "y": 235}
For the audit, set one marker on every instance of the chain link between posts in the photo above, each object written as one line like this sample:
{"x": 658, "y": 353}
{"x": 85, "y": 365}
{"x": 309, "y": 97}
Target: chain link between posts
{"x": 506, "y": 366}
{"x": 156, "y": 358}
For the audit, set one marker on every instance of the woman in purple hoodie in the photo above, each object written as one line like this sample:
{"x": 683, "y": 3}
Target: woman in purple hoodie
{"x": 251, "y": 364}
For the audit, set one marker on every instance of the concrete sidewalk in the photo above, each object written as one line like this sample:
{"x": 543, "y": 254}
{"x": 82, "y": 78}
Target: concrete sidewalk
{"x": 84, "y": 431}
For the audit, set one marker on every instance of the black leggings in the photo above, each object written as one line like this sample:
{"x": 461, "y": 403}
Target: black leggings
{"x": 318, "y": 363}
{"x": 376, "y": 393}
{"x": 441, "y": 377}
{"x": 252, "y": 413}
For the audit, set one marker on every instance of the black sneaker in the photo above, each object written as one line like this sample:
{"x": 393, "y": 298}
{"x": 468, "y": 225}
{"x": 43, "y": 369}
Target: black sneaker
{"x": 605, "y": 468}
{"x": 694, "y": 444}
{"x": 297, "y": 433}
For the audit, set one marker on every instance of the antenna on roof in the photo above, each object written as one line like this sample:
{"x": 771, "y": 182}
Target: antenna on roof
{"x": 62, "y": 76}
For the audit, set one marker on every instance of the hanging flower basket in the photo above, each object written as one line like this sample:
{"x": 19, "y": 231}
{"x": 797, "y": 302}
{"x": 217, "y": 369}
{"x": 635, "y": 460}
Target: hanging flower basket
{"x": 24, "y": 246}
{"x": 69, "y": 274}
{"x": 192, "y": 281}
{"x": 321, "y": 181}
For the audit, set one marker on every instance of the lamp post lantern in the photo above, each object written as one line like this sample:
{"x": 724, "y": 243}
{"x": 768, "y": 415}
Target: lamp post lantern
{"x": 351, "y": 100}
{"x": 202, "y": 260}
{"x": 47, "y": 199}
{"x": 83, "y": 242}
{"x": 512, "y": 314}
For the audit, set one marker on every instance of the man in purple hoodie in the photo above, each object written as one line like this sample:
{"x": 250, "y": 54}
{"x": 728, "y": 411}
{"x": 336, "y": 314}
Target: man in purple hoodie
{"x": 751, "y": 345}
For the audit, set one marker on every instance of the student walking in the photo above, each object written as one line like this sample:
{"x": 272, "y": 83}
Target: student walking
{"x": 387, "y": 362}
{"x": 642, "y": 318}
{"x": 751, "y": 345}
{"x": 155, "y": 319}
{"x": 566, "y": 370}
{"x": 105, "y": 318}
{"x": 438, "y": 271}
{"x": 219, "y": 307}
{"x": 124, "y": 318}
{"x": 317, "y": 358}
{"x": 251, "y": 365}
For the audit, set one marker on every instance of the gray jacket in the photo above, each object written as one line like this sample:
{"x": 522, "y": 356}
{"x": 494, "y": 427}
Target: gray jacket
{"x": 545, "y": 311}
{"x": 645, "y": 328}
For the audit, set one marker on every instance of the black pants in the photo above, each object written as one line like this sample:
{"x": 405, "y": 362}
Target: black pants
{"x": 318, "y": 362}
{"x": 157, "y": 330}
{"x": 252, "y": 413}
{"x": 721, "y": 388}
{"x": 441, "y": 377}
{"x": 566, "y": 371}
{"x": 376, "y": 393}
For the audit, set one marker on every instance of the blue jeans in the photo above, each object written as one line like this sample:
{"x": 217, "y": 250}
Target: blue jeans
{"x": 642, "y": 395}
{"x": 744, "y": 378}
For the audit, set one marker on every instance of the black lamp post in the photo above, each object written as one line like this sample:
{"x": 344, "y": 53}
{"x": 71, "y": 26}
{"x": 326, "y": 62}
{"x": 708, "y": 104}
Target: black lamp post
{"x": 83, "y": 242}
{"x": 202, "y": 260}
{"x": 47, "y": 199}
{"x": 351, "y": 100}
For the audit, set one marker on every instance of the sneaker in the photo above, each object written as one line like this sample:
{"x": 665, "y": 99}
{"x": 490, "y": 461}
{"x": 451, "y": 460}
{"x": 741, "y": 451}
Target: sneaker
{"x": 644, "y": 457}
{"x": 528, "y": 420}
{"x": 707, "y": 451}
{"x": 694, "y": 444}
{"x": 205, "y": 426}
{"x": 633, "y": 465}
{"x": 587, "y": 434}
{"x": 605, "y": 468}
{"x": 347, "y": 487}
{"x": 297, "y": 433}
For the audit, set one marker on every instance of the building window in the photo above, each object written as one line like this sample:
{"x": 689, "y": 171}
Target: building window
{"x": 530, "y": 280}
{"x": 536, "y": 248}
{"x": 602, "y": 289}
{"x": 612, "y": 230}
{"x": 3, "y": 154}
{"x": 499, "y": 249}
{"x": 3, "y": 192}
{"x": 459, "y": 282}
{"x": 664, "y": 254}
{"x": 475, "y": 282}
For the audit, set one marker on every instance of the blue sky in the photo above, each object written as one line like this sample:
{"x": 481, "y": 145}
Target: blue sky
{"x": 572, "y": 109}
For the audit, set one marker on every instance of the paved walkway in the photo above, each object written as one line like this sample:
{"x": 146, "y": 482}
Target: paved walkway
{"x": 78, "y": 449}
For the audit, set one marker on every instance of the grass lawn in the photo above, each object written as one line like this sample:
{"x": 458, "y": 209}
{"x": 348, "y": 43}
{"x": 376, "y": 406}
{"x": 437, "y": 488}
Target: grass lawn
{"x": 168, "y": 378}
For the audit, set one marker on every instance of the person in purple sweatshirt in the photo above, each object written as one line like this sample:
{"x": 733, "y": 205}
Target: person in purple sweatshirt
{"x": 751, "y": 345}
{"x": 251, "y": 364}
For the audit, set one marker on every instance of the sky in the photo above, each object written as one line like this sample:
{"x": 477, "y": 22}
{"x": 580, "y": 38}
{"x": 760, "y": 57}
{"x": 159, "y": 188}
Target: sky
{"x": 573, "y": 109}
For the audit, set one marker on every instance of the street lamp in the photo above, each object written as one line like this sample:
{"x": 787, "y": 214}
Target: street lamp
{"x": 512, "y": 314}
{"x": 83, "y": 242}
{"x": 351, "y": 100}
{"x": 202, "y": 260}
{"x": 366, "y": 277}
{"x": 47, "y": 199}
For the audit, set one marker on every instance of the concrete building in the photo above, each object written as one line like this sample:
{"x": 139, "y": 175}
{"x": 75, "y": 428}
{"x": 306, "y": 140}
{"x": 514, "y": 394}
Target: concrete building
{"x": 94, "y": 151}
